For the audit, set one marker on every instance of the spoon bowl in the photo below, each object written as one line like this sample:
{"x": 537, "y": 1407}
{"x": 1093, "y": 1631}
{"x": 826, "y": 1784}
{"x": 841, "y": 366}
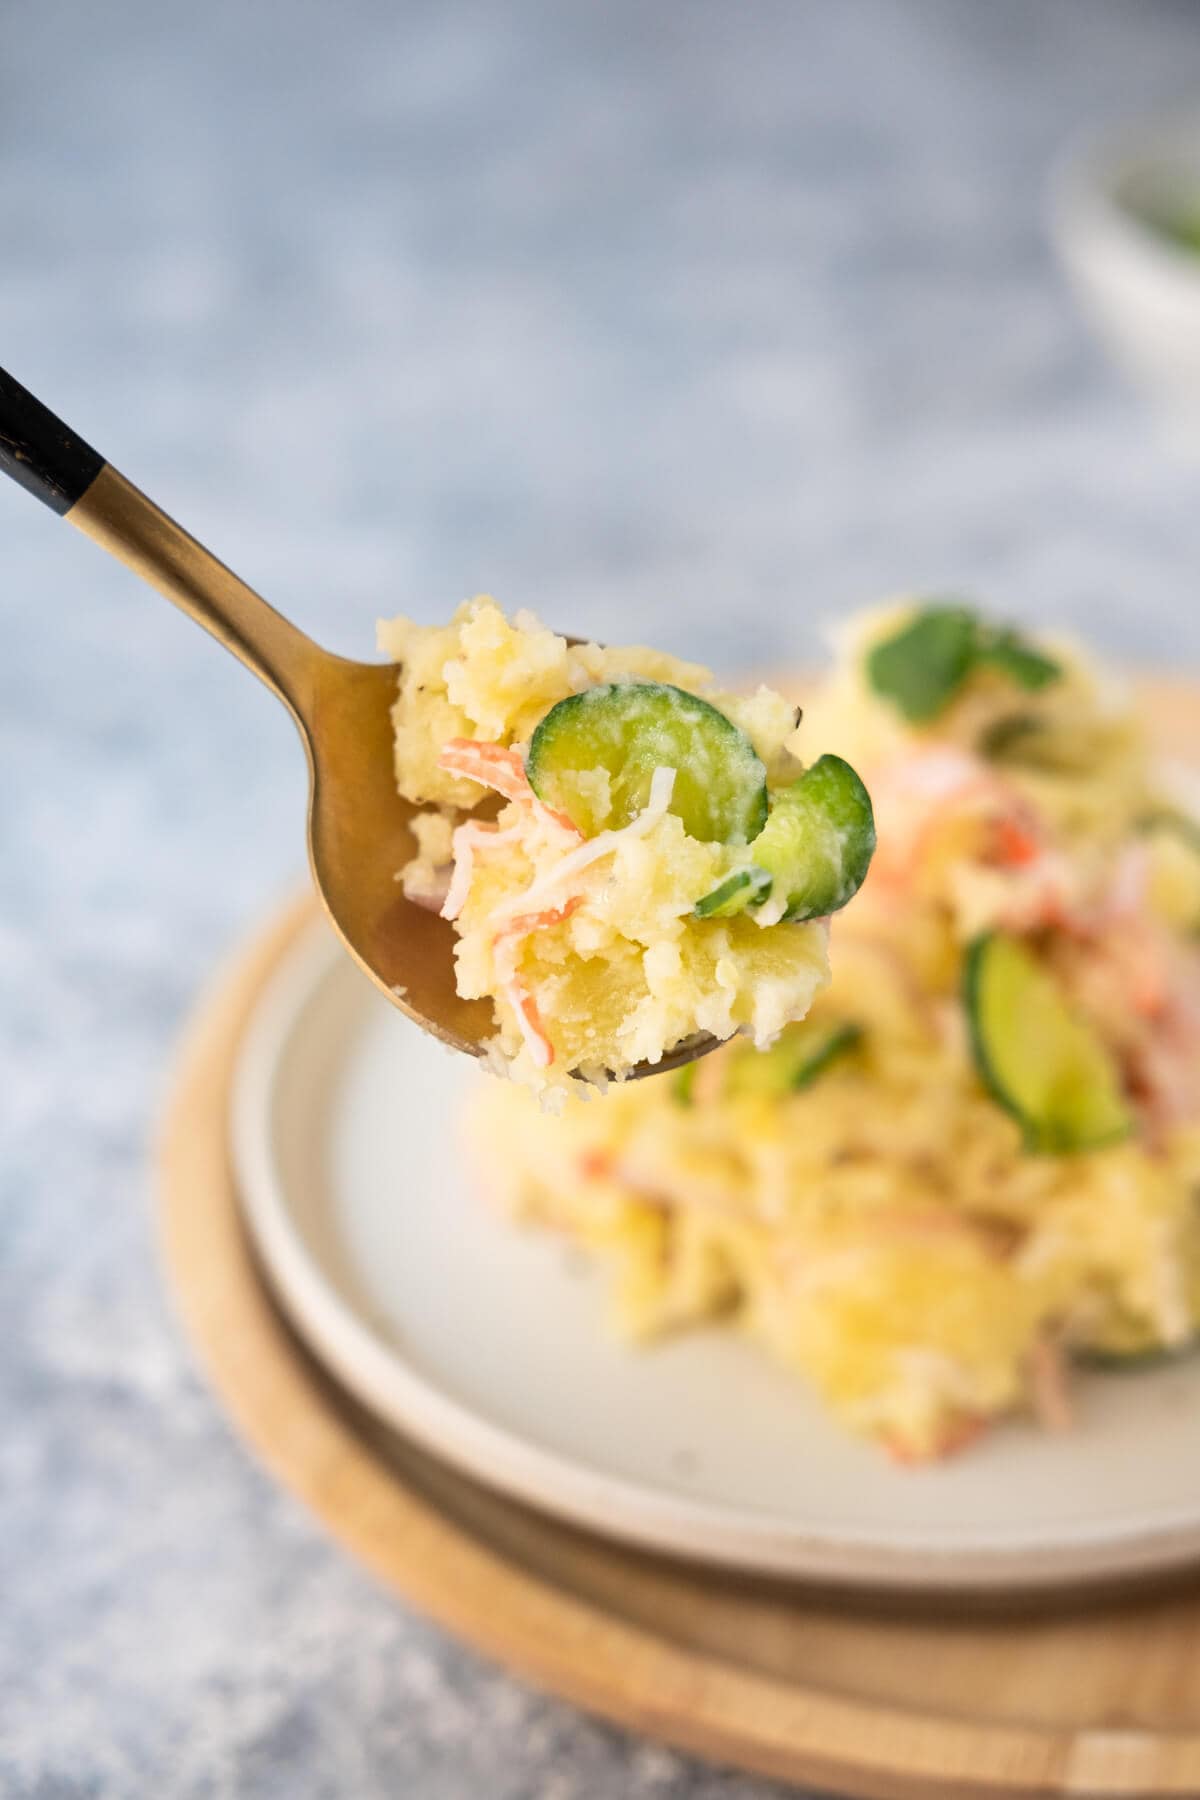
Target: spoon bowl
{"x": 359, "y": 828}
{"x": 359, "y": 838}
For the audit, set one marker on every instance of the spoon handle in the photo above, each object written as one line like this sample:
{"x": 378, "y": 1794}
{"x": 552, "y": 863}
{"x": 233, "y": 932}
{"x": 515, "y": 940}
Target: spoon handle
{"x": 50, "y": 461}
{"x": 39, "y": 451}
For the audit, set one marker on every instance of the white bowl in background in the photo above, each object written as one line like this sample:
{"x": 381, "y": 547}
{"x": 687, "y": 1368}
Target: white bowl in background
{"x": 1139, "y": 285}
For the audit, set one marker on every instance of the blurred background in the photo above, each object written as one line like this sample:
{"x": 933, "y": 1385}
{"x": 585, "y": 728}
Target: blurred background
{"x": 698, "y": 324}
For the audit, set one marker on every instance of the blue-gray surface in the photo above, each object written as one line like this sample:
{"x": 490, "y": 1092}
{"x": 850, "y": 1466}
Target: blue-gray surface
{"x": 692, "y": 323}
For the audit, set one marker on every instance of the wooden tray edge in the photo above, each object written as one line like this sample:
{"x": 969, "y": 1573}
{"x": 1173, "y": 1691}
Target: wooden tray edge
{"x": 547, "y": 1636}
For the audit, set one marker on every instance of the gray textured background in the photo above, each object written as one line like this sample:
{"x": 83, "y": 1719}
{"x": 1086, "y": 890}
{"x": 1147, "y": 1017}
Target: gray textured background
{"x": 695, "y": 322}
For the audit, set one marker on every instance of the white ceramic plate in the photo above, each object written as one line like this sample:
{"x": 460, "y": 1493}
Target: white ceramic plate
{"x": 488, "y": 1345}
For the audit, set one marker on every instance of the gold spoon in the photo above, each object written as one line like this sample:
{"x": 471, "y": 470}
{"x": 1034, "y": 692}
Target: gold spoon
{"x": 359, "y": 828}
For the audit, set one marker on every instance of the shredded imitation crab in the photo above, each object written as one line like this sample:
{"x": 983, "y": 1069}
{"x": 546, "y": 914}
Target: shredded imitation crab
{"x": 922, "y": 794}
{"x": 468, "y": 838}
{"x": 506, "y": 946}
{"x": 497, "y": 767}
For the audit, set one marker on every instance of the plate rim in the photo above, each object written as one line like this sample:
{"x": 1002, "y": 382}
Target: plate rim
{"x": 316, "y": 1444}
{"x": 379, "y": 1377}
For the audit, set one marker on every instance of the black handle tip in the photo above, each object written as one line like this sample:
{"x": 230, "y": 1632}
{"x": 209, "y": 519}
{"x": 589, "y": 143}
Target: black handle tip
{"x": 39, "y": 452}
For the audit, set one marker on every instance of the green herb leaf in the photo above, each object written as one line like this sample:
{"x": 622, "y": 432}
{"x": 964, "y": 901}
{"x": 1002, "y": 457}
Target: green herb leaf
{"x": 1005, "y": 650}
{"x": 922, "y": 667}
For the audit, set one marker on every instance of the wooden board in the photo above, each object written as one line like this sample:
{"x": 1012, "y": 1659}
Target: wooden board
{"x": 870, "y": 1700}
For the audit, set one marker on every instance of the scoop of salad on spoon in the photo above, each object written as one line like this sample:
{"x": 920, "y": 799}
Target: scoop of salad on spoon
{"x": 660, "y": 870}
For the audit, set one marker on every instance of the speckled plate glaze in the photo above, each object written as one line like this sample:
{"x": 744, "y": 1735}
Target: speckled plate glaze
{"x": 487, "y": 1345}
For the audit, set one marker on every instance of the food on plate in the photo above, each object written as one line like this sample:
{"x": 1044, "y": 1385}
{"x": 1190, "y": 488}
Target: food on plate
{"x": 976, "y": 1163}
{"x": 661, "y": 864}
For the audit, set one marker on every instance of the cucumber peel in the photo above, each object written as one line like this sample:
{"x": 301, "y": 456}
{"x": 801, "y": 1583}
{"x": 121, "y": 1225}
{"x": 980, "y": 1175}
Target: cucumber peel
{"x": 817, "y": 845}
{"x": 745, "y": 887}
{"x": 1037, "y": 1059}
{"x": 818, "y": 841}
{"x": 594, "y": 755}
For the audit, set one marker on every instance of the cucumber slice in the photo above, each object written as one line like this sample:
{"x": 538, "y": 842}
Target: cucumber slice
{"x": 1043, "y": 1064}
{"x": 819, "y": 839}
{"x": 745, "y": 887}
{"x": 799, "y": 1054}
{"x": 623, "y": 731}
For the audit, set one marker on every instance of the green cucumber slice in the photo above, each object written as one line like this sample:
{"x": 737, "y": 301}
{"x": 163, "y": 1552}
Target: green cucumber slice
{"x": 605, "y": 744}
{"x": 799, "y": 1054}
{"x": 1038, "y": 1060}
{"x": 818, "y": 842}
{"x": 745, "y": 887}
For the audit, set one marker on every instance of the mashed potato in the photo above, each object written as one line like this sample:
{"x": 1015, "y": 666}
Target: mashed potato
{"x": 858, "y": 1198}
{"x": 586, "y": 937}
